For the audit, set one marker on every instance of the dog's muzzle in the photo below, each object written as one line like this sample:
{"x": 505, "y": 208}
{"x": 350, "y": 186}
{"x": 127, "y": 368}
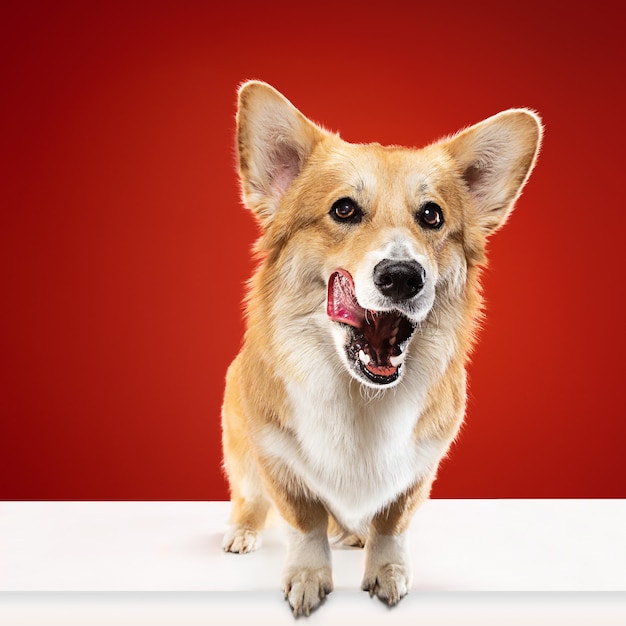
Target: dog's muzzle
{"x": 376, "y": 340}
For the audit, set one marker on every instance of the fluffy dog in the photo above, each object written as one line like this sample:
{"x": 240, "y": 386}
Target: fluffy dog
{"x": 350, "y": 385}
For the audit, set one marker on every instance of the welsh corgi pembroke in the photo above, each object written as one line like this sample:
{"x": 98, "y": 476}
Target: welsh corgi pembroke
{"x": 350, "y": 385}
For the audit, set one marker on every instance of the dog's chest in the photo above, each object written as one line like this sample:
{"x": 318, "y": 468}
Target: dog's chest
{"x": 357, "y": 455}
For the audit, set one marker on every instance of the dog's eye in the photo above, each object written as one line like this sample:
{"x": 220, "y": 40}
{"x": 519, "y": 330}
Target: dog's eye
{"x": 430, "y": 216}
{"x": 346, "y": 210}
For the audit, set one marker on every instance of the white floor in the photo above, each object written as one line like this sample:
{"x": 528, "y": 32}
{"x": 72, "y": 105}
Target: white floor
{"x": 475, "y": 561}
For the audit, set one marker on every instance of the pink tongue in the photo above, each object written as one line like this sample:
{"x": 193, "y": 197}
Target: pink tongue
{"x": 376, "y": 328}
{"x": 341, "y": 304}
{"x": 381, "y": 370}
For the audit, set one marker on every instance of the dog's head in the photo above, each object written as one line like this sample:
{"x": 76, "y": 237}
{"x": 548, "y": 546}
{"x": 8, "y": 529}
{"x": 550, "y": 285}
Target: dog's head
{"x": 371, "y": 242}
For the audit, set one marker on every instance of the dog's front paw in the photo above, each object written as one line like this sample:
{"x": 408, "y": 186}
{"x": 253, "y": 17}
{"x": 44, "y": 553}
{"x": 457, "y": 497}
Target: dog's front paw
{"x": 241, "y": 540}
{"x": 387, "y": 568}
{"x": 306, "y": 588}
{"x": 389, "y": 582}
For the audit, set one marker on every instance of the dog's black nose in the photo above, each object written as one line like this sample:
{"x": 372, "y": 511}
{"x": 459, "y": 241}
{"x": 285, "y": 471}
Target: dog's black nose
{"x": 399, "y": 280}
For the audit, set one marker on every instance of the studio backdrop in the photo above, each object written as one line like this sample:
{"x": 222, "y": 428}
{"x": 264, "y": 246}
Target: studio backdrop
{"x": 124, "y": 247}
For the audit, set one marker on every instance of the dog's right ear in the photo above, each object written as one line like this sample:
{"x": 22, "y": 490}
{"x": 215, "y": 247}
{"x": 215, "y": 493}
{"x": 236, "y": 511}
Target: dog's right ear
{"x": 274, "y": 140}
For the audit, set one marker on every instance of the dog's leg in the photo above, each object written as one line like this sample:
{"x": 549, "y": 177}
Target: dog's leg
{"x": 387, "y": 567}
{"x": 307, "y": 577}
{"x": 249, "y": 510}
{"x": 249, "y": 502}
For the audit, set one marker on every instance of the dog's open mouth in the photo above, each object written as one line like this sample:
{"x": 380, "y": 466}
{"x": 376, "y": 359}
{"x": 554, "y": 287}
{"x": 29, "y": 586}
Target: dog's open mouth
{"x": 377, "y": 338}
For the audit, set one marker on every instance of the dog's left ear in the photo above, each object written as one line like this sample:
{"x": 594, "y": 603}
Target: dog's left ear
{"x": 274, "y": 141}
{"x": 495, "y": 158}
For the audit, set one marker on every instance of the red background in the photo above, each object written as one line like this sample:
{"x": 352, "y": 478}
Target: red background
{"x": 124, "y": 248}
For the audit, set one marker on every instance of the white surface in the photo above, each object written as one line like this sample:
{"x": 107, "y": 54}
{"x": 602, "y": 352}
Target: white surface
{"x": 457, "y": 546}
{"x": 251, "y": 608}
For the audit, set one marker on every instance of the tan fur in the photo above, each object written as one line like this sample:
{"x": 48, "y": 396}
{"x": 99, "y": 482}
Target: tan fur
{"x": 292, "y": 172}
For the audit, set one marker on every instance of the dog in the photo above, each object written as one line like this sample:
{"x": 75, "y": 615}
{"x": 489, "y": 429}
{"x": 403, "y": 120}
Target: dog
{"x": 350, "y": 385}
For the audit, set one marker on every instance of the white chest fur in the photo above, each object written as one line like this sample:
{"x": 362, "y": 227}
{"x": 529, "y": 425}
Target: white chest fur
{"x": 356, "y": 454}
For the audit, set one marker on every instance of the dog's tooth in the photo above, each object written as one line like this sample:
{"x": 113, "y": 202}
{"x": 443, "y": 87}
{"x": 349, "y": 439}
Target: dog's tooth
{"x": 364, "y": 358}
{"x": 397, "y": 360}
{"x": 392, "y": 340}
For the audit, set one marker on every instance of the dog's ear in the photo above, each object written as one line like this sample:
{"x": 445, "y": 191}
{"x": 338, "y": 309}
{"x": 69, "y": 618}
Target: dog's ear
{"x": 274, "y": 140}
{"x": 495, "y": 158}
